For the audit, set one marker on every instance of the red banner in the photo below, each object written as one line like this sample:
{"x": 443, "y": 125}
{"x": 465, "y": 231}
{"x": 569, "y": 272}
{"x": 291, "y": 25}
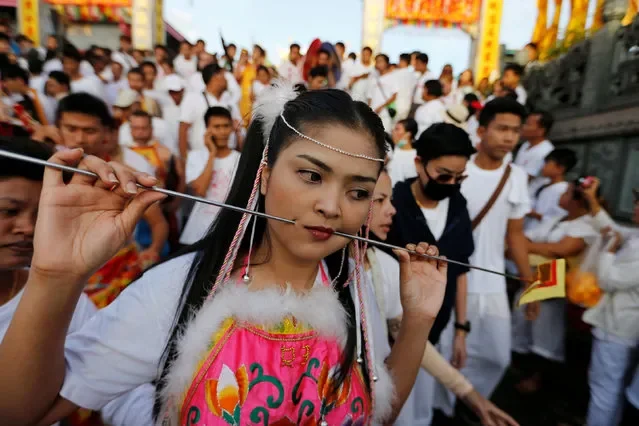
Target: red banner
{"x": 453, "y": 11}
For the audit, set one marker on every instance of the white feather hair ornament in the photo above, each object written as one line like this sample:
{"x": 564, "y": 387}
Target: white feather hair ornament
{"x": 271, "y": 104}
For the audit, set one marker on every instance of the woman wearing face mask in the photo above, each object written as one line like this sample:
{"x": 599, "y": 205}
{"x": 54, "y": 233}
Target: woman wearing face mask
{"x": 382, "y": 272}
{"x": 431, "y": 208}
{"x": 400, "y": 167}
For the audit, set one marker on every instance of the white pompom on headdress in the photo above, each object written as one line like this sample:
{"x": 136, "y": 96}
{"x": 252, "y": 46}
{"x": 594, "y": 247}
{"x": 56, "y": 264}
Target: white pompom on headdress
{"x": 271, "y": 102}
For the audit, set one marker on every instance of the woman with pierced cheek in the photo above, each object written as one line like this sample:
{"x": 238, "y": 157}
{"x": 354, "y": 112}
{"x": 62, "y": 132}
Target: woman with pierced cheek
{"x": 282, "y": 327}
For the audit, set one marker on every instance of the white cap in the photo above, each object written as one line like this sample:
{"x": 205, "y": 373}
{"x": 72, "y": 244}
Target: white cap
{"x": 126, "y": 98}
{"x": 173, "y": 83}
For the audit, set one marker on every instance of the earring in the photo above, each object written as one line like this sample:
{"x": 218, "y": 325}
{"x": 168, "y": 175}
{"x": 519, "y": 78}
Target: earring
{"x": 247, "y": 277}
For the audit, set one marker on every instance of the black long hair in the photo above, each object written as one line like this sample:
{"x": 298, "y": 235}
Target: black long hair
{"x": 325, "y": 107}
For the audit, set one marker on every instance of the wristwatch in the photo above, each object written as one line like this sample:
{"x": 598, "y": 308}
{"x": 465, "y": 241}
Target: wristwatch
{"x": 465, "y": 326}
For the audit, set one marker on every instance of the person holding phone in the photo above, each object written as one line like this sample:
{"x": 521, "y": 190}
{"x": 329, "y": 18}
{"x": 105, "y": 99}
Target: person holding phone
{"x": 210, "y": 172}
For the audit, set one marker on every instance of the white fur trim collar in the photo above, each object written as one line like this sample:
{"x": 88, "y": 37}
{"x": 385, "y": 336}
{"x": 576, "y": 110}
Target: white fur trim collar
{"x": 264, "y": 307}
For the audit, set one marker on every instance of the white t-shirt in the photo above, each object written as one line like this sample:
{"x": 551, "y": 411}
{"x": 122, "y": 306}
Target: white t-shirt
{"x": 428, "y": 114}
{"x": 436, "y": 217}
{"x": 532, "y": 159}
{"x": 359, "y": 90}
{"x": 91, "y": 84}
{"x": 233, "y": 89}
{"x": 402, "y": 165}
{"x": 381, "y": 89}
{"x": 471, "y": 126}
{"x": 490, "y": 234}
{"x": 555, "y": 230}
{"x": 160, "y": 133}
{"x": 135, "y": 407}
{"x": 172, "y": 120}
{"x": 290, "y": 72}
{"x": 258, "y": 88}
{"x": 192, "y": 110}
{"x": 389, "y": 268}
{"x": 113, "y": 88}
{"x": 522, "y": 96}
{"x": 185, "y": 67}
{"x": 419, "y": 87}
{"x": 547, "y": 204}
{"x": 202, "y": 214}
{"x": 406, "y": 81}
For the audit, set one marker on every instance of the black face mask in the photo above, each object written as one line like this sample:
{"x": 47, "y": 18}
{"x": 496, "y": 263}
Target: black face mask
{"x": 439, "y": 191}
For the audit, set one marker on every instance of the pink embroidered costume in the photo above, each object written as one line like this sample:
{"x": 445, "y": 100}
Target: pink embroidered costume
{"x": 270, "y": 356}
{"x": 267, "y": 358}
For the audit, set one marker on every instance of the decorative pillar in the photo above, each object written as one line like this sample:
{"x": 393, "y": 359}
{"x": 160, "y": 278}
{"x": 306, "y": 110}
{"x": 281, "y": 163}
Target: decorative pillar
{"x": 373, "y": 24}
{"x": 160, "y": 32}
{"x": 488, "y": 48}
{"x": 29, "y": 19}
{"x": 550, "y": 38}
{"x": 143, "y": 26}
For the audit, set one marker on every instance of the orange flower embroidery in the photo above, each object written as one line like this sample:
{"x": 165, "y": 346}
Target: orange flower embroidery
{"x": 228, "y": 393}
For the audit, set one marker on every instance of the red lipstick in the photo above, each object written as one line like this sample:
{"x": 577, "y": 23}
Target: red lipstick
{"x": 320, "y": 233}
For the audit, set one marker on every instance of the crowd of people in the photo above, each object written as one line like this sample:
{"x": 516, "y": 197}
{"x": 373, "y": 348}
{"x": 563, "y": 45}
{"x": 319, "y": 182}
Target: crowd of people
{"x": 128, "y": 307}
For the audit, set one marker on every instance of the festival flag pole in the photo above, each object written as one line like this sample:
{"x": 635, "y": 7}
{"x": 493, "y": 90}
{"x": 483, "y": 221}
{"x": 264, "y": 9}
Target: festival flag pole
{"x": 62, "y": 167}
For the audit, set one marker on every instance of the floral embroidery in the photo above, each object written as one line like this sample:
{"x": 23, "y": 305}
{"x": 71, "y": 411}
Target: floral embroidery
{"x": 225, "y": 396}
{"x": 325, "y": 388}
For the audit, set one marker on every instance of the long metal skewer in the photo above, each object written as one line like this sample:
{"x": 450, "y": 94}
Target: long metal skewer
{"x": 70, "y": 169}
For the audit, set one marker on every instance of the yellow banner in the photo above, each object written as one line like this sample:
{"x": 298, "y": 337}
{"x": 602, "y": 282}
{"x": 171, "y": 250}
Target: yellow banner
{"x": 160, "y": 34}
{"x": 456, "y": 11}
{"x": 29, "y": 19}
{"x": 487, "y": 56}
{"x": 550, "y": 283}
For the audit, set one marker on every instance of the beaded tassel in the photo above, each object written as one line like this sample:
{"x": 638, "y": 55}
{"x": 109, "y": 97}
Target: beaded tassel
{"x": 231, "y": 254}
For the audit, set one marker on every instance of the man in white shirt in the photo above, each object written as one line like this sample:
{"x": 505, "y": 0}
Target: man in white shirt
{"x": 382, "y": 91}
{"x": 291, "y": 69}
{"x": 532, "y": 154}
{"x": 195, "y": 105}
{"x": 196, "y": 83}
{"x": 512, "y": 80}
{"x": 423, "y": 74}
{"x": 185, "y": 63}
{"x": 71, "y": 65}
{"x": 489, "y": 342}
{"x": 117, "y": 83}
{"x": 406, "y": 80}
{"x": 175, "y": 87}
{"x": 433, "y": 109}
{"x": 123, "y": 55}
{"x": 127, "y": 102}
{"x": 209, "y": 172}
{"x": 356, "y": 79}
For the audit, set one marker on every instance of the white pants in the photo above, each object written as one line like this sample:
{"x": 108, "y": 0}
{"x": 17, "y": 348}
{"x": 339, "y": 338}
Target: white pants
{"x": 418, "y": 409}
{"x": 487, "y": 346}
{"x": 609, "y": 364}
{"x": 546, "y": 335}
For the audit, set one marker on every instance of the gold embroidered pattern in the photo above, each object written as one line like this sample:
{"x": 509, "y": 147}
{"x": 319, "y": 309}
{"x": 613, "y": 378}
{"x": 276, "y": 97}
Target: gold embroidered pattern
{"x": 288, "y": 355}
{"x": 306, "y": 352}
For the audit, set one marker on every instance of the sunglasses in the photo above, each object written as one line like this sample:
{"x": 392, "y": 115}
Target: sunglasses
{"x": 446, "y": 177}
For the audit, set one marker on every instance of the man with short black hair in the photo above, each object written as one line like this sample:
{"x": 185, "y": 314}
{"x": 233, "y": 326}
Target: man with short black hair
{"x": 422, "y": 74}
{"x": 71, "y": 60}
{"x": 497, "y": 199}
{"x": 512, "y": 80}
{"x": 433, "y": 109}
{"x": 291, "y": 68}
{"x": 195, "y": 105}
{"x": 431, "y": 208}
{"x": 382, "y": 92}
{"x": 532, "y": 153}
